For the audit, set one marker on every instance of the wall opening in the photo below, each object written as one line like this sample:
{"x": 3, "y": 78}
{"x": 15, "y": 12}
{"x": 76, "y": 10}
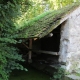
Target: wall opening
{"x": 44, "y": 48}
{"x": 41, "y": 59}
{"x": 51, "y": 43}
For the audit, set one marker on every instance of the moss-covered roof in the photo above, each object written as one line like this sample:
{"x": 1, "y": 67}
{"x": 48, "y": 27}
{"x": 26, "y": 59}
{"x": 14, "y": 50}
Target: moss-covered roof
{"x": 45, "y": 23}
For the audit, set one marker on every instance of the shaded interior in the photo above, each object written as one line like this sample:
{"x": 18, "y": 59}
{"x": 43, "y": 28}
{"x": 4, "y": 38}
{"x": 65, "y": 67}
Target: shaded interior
{"x": 48, "y": 43}
{"x": 40, "y": 60}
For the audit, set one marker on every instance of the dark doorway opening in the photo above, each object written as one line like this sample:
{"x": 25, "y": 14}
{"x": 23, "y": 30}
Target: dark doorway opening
{"x": 44, "y": 48}
{"x": 51, "y": 43}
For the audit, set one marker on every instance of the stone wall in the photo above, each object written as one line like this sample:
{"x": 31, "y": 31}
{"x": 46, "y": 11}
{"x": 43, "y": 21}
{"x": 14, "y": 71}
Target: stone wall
{"x": 70, "y": 41}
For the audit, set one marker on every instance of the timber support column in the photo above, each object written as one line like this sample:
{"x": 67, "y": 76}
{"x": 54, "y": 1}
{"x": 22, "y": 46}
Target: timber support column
{"x": 30, "y": 52}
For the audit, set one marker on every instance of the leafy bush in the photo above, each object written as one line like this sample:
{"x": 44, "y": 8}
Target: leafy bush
{"x": 9, "y": 57}
{"x": 58, "y": 74}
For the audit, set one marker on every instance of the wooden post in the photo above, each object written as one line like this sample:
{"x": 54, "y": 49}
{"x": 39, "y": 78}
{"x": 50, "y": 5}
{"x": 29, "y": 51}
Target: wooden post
{"x": 30, "y": 52}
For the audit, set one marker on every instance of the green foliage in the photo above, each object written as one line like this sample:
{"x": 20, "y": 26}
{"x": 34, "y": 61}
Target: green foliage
{"x": 45, "y": 22}
{"x": 9, "y": 57}
{"x": 14, "y": 13}
{"x": 58, "y": 74}
{"x": 40, "y": 6}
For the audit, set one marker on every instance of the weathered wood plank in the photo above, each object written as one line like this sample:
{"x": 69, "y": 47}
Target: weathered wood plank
{"x": 46, "y": 52}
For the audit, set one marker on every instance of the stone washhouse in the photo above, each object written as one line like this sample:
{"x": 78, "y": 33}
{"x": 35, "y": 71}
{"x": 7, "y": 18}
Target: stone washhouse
{"x": 56, "y": 33}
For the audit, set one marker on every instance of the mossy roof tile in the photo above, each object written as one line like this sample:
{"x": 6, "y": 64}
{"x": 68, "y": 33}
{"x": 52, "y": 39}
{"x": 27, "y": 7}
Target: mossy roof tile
{"x": 43, "y": 24}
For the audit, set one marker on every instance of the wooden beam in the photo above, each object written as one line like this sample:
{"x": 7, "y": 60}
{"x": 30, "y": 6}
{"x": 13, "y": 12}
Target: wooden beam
{"x": 25, "y": 45}
{"x": 46, "y": 52}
